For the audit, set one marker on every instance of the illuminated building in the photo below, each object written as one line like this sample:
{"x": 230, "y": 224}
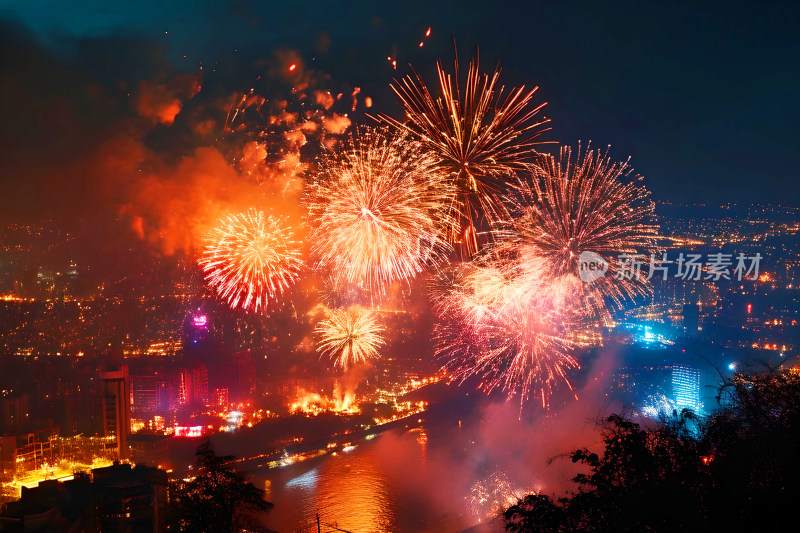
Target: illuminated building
{"x": 632, "y": 385}
{"x": 145, "y": 393}
{"x": 113, "y": 498}
{"x": 116, "y": 407}
{"x": 154, "y": 390}
{"x": 193, "y": 385}
{"x": 221, "y": 397}
{"x": 686, "y": 387}
{"x": 34, "y": 450}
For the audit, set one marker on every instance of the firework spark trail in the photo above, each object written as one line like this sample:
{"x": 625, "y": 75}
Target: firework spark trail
{"x": 251, "y": 259}
{"x": 585, "y": 204}
{"x": 350, "y": 336}
{"x": 508, "y": 330}
{"x": 377, "y": 210}
{"x": 480, "y": 137}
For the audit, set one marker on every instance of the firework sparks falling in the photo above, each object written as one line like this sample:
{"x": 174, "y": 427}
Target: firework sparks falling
{"x": 490, "y": 496}
{"x": 480, "y": 137}
{"x": 350, "y": 336}
{"x": 251, "y": 259}
{"x": 586, "y": 204}
{"x": 508, "y": 330}
{"x": 377, "y": 209}
{"x": 659, "y": 407}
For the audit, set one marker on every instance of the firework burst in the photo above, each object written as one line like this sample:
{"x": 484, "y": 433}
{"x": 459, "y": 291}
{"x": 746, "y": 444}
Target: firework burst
{"x": 511, "y": 331}
{"x": 480, "y": 138}
{"x": 251, "y": 259}
{"x": 582, "y": 204}
{"x": 377, "y": 210}
{"x": 350, "y": 336}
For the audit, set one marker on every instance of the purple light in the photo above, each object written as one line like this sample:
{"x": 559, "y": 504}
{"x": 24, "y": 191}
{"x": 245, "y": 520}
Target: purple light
{"x": 200, "y": 321}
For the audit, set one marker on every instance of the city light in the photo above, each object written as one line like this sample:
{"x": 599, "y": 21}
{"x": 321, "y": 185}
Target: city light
{"x": 271, "y": 280}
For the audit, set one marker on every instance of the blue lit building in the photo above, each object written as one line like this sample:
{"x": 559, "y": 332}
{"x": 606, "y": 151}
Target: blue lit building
{"x": 686, "y": 388}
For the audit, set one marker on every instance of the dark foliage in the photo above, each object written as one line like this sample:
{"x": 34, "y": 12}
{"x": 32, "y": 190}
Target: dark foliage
{"x": 219, "y": 499}
{"x": 737, "y": 470}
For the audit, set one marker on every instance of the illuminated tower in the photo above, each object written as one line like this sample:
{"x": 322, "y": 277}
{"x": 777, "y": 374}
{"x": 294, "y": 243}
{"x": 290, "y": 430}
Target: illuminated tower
{"x": 116, "y": 406}
{"x": 686, "y": 387}
{"x": 198, "y": 337}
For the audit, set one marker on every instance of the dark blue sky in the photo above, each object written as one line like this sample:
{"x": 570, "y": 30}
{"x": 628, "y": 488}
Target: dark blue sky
{"x": 702, "y": 95}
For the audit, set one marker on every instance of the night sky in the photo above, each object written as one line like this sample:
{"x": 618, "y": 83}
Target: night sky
{"x": 701, "y": 95}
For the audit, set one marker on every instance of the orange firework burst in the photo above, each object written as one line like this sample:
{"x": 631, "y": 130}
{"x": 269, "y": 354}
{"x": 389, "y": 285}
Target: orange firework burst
{"x": 251, "y": 259}
{"x": 587, "y": 205}
{"x": 350, "y": 336}
{"x": 480, "y": 137}
{"x": 511, "y": 331}
{"x": 376, "y": 210}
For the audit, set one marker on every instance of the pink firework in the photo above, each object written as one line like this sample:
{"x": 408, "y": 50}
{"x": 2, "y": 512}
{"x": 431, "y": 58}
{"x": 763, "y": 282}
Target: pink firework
{"x": 510, "y": 331}
{"x": 587, "y": 206}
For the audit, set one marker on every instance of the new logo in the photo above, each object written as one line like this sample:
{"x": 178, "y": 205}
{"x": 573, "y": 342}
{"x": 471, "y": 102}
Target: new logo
{"x": 591, "y": 266}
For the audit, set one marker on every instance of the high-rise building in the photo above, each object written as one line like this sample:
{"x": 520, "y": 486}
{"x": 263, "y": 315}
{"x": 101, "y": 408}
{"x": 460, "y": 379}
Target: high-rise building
{"x": 686, "y": 387}
{"x": 145, "y": 388}
{"x": 193, "y": 385}
{"x": 116, "y": 406}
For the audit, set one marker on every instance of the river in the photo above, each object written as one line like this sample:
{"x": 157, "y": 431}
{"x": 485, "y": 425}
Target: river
{"x": 372, "y": 487}
{"x": 454, "y": 470}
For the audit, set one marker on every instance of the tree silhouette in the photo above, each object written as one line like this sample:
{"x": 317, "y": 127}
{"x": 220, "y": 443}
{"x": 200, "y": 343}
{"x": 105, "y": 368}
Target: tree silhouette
{"x": 219, "y": 499}
{"x": 535, "y": 513}
{"x": 738, "y": 468}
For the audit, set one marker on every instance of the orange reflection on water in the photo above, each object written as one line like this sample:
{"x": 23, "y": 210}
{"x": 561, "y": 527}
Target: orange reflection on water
{"x": 354, "y": 494}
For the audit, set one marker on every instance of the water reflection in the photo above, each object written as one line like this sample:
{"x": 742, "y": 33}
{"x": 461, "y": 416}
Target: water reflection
{"x": 355, "y": 494}
{"x": 350, "y": 491}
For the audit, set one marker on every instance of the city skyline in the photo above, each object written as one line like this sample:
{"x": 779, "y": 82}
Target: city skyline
{"x": 297, "y": 268}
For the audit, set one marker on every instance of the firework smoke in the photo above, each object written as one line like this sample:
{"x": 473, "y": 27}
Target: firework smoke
{"x": 480, "y": 138}
{"x": 251, "y": 259}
